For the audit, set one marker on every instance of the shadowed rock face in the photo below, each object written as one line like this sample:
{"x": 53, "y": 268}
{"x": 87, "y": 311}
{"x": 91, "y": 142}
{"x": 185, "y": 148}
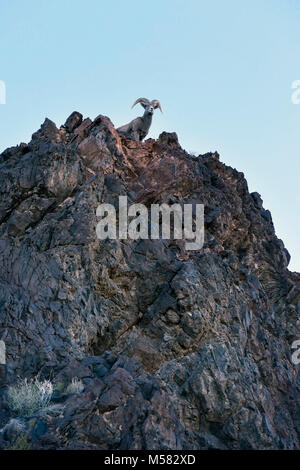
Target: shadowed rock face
{"x": 176, "y": 349}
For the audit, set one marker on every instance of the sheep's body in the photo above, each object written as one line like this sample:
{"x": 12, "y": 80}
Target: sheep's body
{"x": 139, "y": 127}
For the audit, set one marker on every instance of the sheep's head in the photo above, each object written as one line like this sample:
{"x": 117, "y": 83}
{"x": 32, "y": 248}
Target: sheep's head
{"x": 149, "y": 106}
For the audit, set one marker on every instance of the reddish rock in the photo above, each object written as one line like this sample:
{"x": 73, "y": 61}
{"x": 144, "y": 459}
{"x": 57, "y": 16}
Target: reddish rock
{"x": 175, "y": 349}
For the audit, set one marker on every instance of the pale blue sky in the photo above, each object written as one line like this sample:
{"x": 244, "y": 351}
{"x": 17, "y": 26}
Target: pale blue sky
{"x": 222, "y": 70}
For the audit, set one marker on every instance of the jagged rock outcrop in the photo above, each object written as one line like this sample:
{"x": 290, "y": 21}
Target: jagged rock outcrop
{"x": 176, "y": 349}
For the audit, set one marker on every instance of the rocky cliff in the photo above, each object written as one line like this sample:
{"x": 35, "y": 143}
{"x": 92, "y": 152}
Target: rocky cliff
{"x": 175, "y": 349}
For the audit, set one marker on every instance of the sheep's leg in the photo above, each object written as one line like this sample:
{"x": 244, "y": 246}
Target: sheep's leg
{"x": 135, "y": 136}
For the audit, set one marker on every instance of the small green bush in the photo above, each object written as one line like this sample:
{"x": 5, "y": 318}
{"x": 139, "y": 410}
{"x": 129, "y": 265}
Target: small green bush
{"x": 76, "y": 386}
{"x": 29, "y": 396}
{"x": 20, "y": 443}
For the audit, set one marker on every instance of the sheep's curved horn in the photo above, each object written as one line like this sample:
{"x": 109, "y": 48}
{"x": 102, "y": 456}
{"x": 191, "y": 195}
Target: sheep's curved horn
{"x": 142, "y": 101}
{"x": 156, "y": 104}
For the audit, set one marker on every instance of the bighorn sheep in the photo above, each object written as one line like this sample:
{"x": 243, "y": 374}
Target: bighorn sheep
{"x": 139, "y": 127}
